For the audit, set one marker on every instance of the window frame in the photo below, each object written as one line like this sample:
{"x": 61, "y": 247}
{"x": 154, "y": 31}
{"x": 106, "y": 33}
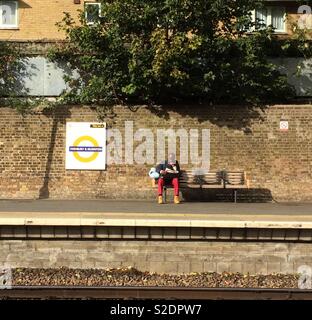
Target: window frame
{"x": 269, "y": 18}
{"x": 10, "y": 26}
{"x": 92, "y": 4}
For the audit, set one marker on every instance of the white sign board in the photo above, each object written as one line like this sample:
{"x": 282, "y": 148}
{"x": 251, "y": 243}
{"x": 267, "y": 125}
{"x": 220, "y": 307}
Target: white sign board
{"x": 85, "y": 146}
{"x": 284, "y": 125}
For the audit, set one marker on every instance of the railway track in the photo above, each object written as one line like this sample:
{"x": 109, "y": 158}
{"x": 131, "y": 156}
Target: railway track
{"x": 78, "y": 292}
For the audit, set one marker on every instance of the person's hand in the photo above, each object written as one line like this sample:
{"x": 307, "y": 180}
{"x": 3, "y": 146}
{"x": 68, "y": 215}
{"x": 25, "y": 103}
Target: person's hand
{"x": 163, "y": 172}
{"x": 172, "y": 171}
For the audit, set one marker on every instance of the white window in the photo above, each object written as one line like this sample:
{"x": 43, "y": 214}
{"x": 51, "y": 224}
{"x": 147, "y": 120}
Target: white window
{"x": 8, "y": 14}
{"x": 270, "y": 16}
{"x": 92, "y": 12}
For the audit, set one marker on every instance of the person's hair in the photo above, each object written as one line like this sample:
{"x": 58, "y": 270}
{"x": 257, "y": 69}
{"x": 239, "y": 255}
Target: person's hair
{"x": 172, "y": 156}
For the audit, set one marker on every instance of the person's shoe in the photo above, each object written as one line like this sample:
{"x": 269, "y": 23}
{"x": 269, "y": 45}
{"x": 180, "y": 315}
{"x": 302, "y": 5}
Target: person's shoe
{"x": 176, "y": 199}
{"x": 160, "y": 200}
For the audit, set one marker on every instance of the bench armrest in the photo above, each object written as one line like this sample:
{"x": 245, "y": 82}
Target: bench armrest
{"x": 247, "y": 180}
{"x": 248, "y": 183}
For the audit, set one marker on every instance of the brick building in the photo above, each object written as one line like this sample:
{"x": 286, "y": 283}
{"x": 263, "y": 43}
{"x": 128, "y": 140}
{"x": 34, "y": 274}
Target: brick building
{"x": 36, "y": 19}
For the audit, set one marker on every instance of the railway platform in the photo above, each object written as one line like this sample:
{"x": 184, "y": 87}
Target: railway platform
{"x": 147, "y": 220}
{"x": 190, "y": 237}
{"x": 149, "y": 214}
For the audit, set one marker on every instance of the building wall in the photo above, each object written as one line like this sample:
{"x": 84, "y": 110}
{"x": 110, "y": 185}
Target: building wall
{"x": 279, "y": 164}
{"x": 44, "y": 78}
{"x": 158, "y": 256}
{"x": 292, "y": 16}
{"x": 37, "y": 19}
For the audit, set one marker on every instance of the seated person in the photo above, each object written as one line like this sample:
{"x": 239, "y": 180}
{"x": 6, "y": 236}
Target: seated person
{"x": 169, "y": 172}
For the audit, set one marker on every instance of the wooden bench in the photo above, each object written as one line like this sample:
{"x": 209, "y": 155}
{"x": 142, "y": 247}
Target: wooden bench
{"x": 190, "y": 179}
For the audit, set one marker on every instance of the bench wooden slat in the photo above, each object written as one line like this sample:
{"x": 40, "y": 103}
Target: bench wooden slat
{"x": 236, "y": 186}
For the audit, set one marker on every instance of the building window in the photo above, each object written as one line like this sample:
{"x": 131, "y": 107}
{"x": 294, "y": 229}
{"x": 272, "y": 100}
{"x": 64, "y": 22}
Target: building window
{"x": 270, "y": 16}
{"x": 8, "y": 14}
{"x": 92, "y": 12}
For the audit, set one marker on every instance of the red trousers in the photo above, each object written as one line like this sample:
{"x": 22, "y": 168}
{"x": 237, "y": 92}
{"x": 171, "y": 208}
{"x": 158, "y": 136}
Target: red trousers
{"x": 174, "y": 182}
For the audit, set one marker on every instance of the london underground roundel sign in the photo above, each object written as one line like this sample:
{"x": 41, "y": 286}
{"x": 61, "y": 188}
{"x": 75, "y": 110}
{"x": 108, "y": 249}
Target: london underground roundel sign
{"x": 85, "y": 146}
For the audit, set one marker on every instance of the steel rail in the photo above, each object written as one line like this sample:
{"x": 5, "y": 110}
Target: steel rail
{"x": 189, "y": 293}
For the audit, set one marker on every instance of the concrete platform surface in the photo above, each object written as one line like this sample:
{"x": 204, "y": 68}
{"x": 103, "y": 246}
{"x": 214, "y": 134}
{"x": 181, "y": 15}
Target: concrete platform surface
{"x": 145, "y": 206}
{"x": 150, "y": 214}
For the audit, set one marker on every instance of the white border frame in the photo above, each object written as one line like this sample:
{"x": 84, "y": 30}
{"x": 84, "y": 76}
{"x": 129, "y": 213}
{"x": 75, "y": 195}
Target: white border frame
{"x": 269, "y": 18}
{"x": 10, "y": 26}
{"x": 92, "y": 3}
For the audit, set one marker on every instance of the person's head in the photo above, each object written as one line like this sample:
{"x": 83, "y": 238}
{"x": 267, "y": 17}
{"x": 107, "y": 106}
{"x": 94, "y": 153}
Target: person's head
{"x": 172, "y": 158}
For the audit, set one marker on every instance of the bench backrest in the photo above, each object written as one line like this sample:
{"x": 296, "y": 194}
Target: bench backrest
{"x": 234, "y": 177}
{"x": 213, "y": 178}
{"x": 190, "y": 177}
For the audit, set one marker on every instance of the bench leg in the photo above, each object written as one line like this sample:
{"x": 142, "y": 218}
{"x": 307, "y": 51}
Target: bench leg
{"x": 235, "y": 195}
{"x": 201, "y": 193}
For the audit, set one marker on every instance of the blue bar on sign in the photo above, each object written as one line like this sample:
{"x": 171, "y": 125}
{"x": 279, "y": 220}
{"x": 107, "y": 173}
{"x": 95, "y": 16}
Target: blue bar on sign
{"x": 85, "y": 149}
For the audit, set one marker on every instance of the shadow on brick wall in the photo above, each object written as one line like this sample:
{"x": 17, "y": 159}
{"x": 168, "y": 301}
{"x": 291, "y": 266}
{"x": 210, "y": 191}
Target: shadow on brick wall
{"x": 237, "y": 117}
{"x": 226, "y": 195}
{"x": 58, "y": 116}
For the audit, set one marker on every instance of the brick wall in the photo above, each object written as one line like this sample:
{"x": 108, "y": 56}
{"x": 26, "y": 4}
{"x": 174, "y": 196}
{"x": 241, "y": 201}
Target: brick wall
{"x": 158, "y": 256}
{"x": 37, "y": 19}
{"x": 279, "y": 164}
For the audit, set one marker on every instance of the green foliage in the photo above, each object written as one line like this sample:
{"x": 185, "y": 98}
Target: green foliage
{"x": 11, "y": 68}
{"x": 164, "y": 51}
{"x": 8, "y": 68}
{"x": 299, "y": 45}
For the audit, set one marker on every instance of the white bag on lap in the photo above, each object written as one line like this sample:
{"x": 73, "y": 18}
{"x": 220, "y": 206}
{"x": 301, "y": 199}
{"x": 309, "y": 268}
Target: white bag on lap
{"x": 153, "y": 173}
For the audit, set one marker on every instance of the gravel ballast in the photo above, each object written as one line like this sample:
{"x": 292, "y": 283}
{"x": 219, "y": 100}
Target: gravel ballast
{"x": 133, "y": 277}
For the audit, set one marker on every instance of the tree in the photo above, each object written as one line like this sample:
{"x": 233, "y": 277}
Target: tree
{"x": 12, "y": 71}
{"x": 8, "y": 68}
{"x": 164, "y": 51}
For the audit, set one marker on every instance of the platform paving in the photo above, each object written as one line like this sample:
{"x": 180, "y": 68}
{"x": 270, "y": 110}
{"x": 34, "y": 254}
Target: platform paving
{"x": 148, "y": 213}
